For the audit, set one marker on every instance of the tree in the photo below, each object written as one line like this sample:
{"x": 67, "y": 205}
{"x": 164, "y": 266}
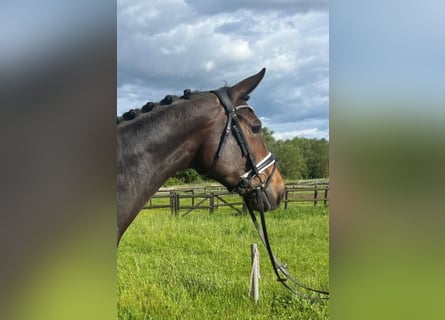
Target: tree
{"x": 184, "y": 176}
{"x": 268, "y": 138}
{"x": 299, "y": 158}
{"x": 320, "y": 158}
{"x": 290, "y": 159}
{"x": 316, "y": 155}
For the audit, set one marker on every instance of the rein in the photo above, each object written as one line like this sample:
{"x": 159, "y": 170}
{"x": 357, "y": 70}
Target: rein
{"x": 243, "y": 188}
{"x": 280, "y": 270}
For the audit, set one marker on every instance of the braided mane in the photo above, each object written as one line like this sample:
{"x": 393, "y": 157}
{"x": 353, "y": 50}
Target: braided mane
{"x": 149, "y": 106}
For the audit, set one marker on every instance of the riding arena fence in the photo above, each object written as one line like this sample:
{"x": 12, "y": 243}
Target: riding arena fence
{"x": 213, "y": 197}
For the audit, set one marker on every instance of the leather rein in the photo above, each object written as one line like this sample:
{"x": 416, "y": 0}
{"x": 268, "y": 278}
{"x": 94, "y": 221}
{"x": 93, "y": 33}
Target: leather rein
{"x": 247, "y": 188}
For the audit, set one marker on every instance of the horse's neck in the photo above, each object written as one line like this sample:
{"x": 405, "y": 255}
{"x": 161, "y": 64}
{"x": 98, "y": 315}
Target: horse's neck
{"x": 152, "y": 149}
{"x": 157, "y": 149}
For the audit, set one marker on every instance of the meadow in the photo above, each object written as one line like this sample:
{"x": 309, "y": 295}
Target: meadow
{"x": 198, "y": 266}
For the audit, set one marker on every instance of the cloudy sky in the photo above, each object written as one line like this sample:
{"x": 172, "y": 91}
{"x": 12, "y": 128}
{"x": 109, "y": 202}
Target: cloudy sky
{"x": 165, "y": 46}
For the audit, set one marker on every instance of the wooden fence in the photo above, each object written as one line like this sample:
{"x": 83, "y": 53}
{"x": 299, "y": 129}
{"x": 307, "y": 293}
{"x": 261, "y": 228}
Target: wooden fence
{"x": 216, "y": 196}
{"x": 314, "y": 193}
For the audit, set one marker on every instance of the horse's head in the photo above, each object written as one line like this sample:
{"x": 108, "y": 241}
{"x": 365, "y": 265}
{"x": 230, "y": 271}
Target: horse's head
{"x": 233, "y": 151}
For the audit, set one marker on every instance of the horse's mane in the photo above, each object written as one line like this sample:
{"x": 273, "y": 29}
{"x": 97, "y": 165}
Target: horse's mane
{"x": 151, "y": 106}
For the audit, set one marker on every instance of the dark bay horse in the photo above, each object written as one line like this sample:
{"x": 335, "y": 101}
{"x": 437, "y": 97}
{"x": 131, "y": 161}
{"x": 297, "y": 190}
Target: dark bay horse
{"x": 217, "y": 133}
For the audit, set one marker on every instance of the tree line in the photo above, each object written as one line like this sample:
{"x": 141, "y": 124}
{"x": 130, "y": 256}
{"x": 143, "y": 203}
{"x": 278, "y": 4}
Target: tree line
{"x": 298, "y": 158}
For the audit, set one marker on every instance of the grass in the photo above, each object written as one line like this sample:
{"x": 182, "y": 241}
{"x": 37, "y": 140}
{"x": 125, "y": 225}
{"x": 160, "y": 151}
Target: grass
{"x": 198, "y": 267}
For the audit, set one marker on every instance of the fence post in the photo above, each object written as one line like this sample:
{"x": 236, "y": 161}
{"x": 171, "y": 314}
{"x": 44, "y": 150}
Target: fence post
{"x": 286, "y": 198}
{"x": 255, "y": 273}
{"x": 177, "y": 203}
{"x": 325, "y": 195}
{"x": 315, "y": 194}
{"x": 212, "y": 203}
{"x": 172, "y": 202}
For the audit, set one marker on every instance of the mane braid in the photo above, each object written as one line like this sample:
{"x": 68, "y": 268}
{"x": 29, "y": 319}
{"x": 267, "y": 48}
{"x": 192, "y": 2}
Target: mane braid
{"x": 149, "y": 106}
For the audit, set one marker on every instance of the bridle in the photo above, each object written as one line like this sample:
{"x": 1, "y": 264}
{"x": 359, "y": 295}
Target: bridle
{"x": 247, "y": 188}
{"x": 246, "y": 184}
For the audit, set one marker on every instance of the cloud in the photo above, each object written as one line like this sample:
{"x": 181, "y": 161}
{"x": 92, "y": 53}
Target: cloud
{"x": 307, "y": 133}
{"x": 167, "y": 46}
{"x": 217, "y": 6}
{"x": 307, "y": 128}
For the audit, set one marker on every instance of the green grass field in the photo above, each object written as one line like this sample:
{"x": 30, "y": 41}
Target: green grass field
{"x": 198, "y": 267}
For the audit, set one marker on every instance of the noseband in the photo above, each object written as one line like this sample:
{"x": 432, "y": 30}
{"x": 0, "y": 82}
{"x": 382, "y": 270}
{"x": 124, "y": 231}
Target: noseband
{"x": 254, "y": 179}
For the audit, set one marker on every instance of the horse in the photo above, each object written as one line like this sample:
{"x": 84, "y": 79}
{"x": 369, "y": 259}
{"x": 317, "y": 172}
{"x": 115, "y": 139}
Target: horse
{"x": 214, "y": 132}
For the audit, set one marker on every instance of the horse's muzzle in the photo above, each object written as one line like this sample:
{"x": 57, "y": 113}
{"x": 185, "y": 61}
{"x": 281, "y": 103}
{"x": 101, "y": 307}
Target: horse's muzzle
{"x": 263, "y": 199}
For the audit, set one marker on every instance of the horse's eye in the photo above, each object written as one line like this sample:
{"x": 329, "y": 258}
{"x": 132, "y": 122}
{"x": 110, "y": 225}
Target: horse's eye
{"x": 256, "y": 129}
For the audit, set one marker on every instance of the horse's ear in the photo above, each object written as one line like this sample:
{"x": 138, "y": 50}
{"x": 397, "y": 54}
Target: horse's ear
{"x": 242, "y": 89}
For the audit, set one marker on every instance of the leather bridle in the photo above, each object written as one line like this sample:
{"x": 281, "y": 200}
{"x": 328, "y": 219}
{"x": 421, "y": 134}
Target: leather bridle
{"x": 256, "y": 176}
{"x": 248, "y": 189}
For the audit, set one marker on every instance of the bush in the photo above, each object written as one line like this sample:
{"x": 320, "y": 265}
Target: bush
{"x": 183, "y": 177}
